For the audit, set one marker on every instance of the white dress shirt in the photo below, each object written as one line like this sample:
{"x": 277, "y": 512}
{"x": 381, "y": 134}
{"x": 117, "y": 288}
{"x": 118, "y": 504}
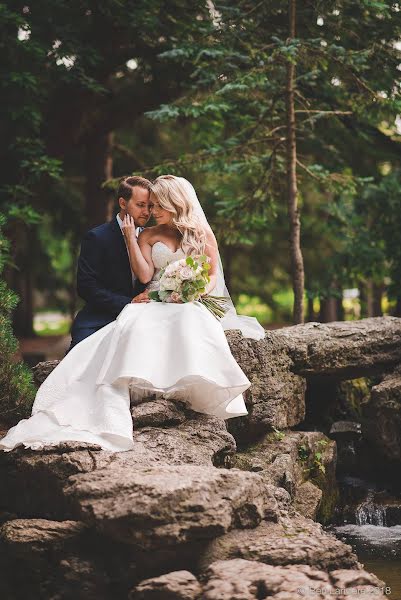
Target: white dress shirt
{"x": 137, "y": 232}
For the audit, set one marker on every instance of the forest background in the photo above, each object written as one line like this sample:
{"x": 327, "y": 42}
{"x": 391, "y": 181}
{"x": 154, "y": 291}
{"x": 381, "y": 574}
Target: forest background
{"x": 285, "y": 116}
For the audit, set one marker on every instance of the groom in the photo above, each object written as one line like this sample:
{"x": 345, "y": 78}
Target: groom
{"x": 104, "y": 278}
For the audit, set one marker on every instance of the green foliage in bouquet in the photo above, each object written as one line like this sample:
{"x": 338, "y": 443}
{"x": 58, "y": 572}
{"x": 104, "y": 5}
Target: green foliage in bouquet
{"x": 17, "y": 391}
{"x": 192, "y": 290}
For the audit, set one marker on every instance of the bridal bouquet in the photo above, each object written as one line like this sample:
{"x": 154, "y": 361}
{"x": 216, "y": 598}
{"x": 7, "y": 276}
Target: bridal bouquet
{"x": 185, "y": 281}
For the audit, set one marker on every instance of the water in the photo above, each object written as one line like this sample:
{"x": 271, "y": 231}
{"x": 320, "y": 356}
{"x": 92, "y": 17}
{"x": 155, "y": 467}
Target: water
{"x": 370, "y": 522}
{"x": 369, "y": 513}
{"x": 379, "y": 550}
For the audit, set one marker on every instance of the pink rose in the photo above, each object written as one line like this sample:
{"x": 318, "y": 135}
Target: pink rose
{"x": 175, "y": 297}
{"x": 186, "y": 273}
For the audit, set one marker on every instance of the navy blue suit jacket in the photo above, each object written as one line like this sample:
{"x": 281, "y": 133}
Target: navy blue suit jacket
{"x": 104, "y": 277}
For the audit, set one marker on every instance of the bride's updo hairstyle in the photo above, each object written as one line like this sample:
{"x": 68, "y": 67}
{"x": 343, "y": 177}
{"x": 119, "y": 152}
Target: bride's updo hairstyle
{"x": 172, "y": 196}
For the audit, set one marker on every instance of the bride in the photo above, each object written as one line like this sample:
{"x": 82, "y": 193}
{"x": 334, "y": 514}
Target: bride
{"x": 176, "y": 350}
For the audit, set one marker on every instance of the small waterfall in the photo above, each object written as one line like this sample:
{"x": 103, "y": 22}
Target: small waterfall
{"x": 369, "y": 513}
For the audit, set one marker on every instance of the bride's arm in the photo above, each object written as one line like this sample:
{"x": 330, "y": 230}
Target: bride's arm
{"x": 212, "y": 252}
{"x": 139, "y": 250}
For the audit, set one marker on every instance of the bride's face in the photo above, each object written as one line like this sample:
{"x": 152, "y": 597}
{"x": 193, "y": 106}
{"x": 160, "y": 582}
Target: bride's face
{"x": 161, "y": 215}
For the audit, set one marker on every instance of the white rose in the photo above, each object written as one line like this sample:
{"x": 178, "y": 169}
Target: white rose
{"x": 171, "y": 269}
{"x": 169, "y": 283}
{"x": 186, "y": 273}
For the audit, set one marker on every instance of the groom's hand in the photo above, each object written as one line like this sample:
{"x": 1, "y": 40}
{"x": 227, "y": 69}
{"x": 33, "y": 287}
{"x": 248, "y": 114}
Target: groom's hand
{"x": 143, "y": 297}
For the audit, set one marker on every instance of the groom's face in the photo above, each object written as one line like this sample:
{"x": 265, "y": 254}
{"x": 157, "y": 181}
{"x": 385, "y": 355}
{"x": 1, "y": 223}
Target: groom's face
{"x": 138, "y": 206}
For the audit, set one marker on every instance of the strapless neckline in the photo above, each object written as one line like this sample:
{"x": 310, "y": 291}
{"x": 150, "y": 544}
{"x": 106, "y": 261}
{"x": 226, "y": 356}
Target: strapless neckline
{"x": 162, "y": 255}
{"x": 169, "y": 249}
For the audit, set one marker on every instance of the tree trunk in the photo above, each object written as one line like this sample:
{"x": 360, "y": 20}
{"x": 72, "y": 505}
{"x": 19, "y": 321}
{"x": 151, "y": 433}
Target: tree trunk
{"x": 23, "y": 314}
{"x": 21, "y": 280}
{"x": 340, "y": 308}
{"x": 371, "y": 295}
{"x": 328, "y": 310}
{"x": 369, "y": 298}
{"x": 297, "y": 267}
{"x": 378, "y": 289}
{"x": 311, "y": 312}
{"x": 99, "y": 167}
{"x": 397, "y": 308}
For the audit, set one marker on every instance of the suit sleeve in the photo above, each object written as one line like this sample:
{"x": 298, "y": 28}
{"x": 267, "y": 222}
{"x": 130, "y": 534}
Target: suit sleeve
{"x": 89, "y": 289}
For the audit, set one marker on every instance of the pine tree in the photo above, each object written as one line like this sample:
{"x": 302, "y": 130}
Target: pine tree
{"x": 16, "y": 388}
{"x": 346, "y": 98}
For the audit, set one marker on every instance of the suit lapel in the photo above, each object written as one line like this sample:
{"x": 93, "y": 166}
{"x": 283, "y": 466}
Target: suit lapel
{"x": 119, "y": 245}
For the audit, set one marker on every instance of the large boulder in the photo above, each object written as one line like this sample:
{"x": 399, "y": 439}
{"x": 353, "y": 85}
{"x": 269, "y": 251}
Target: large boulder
{"x": 279, "y": 365}
{"x": 344, "y": 349}
{"x": 382, "y": 417}
{"x": 62, "y": 559}
{"x": 161, "y": 506}
{"x": 301, "y": 462}
{"x": 181, "y": 585}
{"x": 292, "y": 540}
{"x": 33, "y": 482}
{"x": 195, "y": 439}
{"x": 276, "y": 398}
{"x": 42, "y": 370}
{"x": 240, "y": 579}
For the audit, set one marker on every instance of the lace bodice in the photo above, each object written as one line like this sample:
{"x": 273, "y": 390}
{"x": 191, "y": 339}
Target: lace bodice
{"x": 161, "y": 257}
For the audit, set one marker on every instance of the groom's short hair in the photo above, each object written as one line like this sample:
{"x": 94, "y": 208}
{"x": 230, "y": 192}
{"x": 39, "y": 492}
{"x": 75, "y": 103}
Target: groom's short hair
{"x": 128, "y": 183}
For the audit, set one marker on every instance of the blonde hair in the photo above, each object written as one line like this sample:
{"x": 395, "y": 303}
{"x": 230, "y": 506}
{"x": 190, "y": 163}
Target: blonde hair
{"x": 173, "y": 196}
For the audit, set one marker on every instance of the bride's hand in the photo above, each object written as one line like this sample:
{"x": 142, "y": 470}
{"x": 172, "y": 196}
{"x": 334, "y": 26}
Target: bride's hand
{"x": 128, "y": 227}
{"x": 143, "y": 297}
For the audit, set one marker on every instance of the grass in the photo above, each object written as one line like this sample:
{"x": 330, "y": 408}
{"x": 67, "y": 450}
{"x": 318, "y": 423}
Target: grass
{"x": 51, "y": 323}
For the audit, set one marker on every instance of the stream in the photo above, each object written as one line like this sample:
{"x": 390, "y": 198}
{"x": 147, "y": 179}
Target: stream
{"x": 369, "y": 519}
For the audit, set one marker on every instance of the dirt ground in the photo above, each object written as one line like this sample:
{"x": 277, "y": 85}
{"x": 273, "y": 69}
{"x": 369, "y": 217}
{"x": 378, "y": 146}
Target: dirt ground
{"x": 51, "y": 347}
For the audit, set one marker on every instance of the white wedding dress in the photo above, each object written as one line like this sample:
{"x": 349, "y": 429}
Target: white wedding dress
{"x": 176, "y": 350}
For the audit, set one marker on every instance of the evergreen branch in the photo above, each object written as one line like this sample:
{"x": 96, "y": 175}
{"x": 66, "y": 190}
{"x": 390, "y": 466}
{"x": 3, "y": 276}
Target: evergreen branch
{"x": 308, "y": 170}
{"x": 326, "y": 112}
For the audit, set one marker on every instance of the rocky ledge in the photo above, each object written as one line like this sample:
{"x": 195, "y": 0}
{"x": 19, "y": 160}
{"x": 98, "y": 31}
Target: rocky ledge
{"x": 186, "y": 514}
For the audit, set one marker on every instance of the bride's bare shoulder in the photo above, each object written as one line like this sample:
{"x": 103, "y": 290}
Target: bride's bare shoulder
{"x": 150, "y": 234}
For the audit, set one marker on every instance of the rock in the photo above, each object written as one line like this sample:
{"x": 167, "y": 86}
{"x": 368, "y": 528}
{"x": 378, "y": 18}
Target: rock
{"x": 178, "y": 585}
{"x": 164, "y": 511}
{"x": 382, "y": 417}
{"x": 363, "y": 581}
{"x": 242, "y": 580}
{"x": 276, "y": 398}
{"x": 161, "y": 506}
{"x": 37, "y": 534}
{"x": 292, "y": 540}
{"x": 32, "y": 482}
{"x": 283, "y": 472}
{"x": 348, "y": 437}
{"x": 289, "y": 459}
{"x": 71, "y": 560}
{"x": 42, "y": 370}
{"x": 200, "y": 439}
{"x": 155, "y": 413}
{"x": 321, "y": 463}
{"x": 346, "y": 429}
{"x": 35, "y": 552}
{"x": 344, "y": 349}
{"x": 307, "y": 499}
